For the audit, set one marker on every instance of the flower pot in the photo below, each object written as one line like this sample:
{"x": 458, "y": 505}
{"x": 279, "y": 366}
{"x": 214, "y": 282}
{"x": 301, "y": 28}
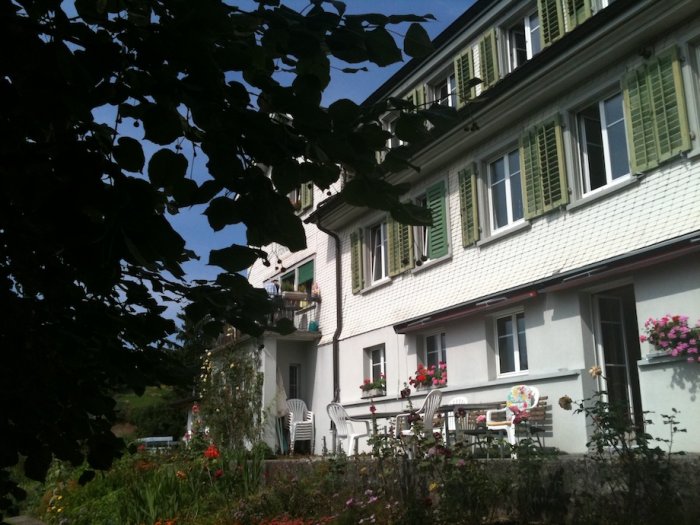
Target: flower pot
{"x": 375, "y": 392}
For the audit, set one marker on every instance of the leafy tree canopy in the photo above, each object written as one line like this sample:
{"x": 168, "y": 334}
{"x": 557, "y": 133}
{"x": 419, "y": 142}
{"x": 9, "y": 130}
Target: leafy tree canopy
{"x": 87, "y": 254}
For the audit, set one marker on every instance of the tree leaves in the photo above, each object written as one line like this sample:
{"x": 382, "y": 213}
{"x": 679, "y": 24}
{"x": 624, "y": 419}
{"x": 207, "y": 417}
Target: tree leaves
{"x": 234, "y": 259}
{"x": 166, "y": 167}
{"x": 417, "y": 43}
{"x": 381, "y": 47}
{"x": 129, "y": 154}
{"x": 91, "y": 251}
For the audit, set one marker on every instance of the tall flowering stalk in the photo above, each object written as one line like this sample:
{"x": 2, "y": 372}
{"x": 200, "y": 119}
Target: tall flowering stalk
{"x": 672, "y": 334}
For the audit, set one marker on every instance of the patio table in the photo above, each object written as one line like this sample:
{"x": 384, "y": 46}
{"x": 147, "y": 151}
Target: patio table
{"x": 475, "y": 432}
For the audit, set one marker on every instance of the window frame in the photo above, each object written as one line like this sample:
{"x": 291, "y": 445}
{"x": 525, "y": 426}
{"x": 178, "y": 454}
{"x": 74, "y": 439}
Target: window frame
{"x": 582, "y": 153}
{"x": 441, "y": 349}
{"x": 513, "y": 315}
{"x": 382, "y": 226}
{"x": 511, "y": 221}
{"x": 371, "y": 366}
{"x": 524, "y": 21}
{"x": 295, "y": 272}
{"x": 449, "y": 80}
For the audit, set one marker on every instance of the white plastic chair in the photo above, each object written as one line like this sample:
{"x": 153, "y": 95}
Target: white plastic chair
{"x": 301, "y": 424}
{"x": 520, "y": 398}
{"x": 427, "y": 412}
{"x": 344, "y": 426}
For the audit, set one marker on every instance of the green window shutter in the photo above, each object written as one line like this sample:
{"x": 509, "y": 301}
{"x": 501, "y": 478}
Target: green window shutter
{"x": 577, "y": 12}
{"x": 464, "y": 72}
{"x": 551, "y": 20}
{"x": 543, "y": 175}
{"x": 438, "y": 240}
{"x": 400, "y": 247}
{"x": 307, "y": 195}
{"x": 468, "y": 205}
{"x": 655, "y": 106}
{"x": 305, "y": 272}
{"x": 642, "y": 143}
{"x": 356, "y": 257}
{"x": 417, "y": 97}
{"x": 488, "y": 59}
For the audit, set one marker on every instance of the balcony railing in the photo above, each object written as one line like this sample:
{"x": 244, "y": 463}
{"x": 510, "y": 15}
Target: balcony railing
{"x": 301, "y": 307}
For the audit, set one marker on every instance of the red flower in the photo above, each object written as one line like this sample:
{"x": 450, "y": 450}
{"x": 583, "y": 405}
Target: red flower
{"x": 218, "y": 473}
{"x": 211, "y": 452}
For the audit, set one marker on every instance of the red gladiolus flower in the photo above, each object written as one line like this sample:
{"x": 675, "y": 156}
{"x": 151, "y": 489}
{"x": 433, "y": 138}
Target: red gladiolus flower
{"x": 211, "y": 452}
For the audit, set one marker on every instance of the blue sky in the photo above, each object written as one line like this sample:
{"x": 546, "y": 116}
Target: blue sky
{"x": 193, "y": 226}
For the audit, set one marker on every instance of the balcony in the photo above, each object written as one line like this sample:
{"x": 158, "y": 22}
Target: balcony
{"x": 300, "y": 307}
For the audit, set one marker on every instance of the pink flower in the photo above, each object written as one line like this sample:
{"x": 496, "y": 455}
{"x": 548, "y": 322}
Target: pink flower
{"x": 643, "y": 338}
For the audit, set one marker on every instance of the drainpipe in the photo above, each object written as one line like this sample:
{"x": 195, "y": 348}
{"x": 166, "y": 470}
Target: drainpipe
{"x": 338, "y": 322}
{"x": 338, "y": 311}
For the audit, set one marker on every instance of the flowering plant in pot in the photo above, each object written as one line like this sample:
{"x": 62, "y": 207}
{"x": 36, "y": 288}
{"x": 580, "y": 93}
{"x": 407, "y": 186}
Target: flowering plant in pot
{"x": 371, "y": 387}
{"x": 671, "y": 334}
{"x": 433, "y": 376}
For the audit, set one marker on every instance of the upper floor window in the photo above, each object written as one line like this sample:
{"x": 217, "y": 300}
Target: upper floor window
{"x": 302, "y": 197}
{"x": 435, "y": 350}
{"x": 512, "y": 346}
{"x": 505, "y": 192}
{"x": 444, "y": 91}
{"x": 603, "y": 143}
{"x": 378, "y": 261}
{"x": 300, "y": 279}
{"x": 524, "y": 40}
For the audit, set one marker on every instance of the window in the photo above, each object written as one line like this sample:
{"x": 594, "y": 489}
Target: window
{"x": 431, "y": 242}
{"x": 435, "y": 350}
{"x": 524, "y": 40}
{"x": 300, "y": 279}
{"x": 390, "y": 126}
{"x": 512, "y": 347}
{"x": 302, "y": 197}
{"x": 445, "y": 91}
{"x": 294, "y": 381}
{"x": 378, "y": 262}
{"x": 377, "y": 362}
{"x": 603, "y": 142}
{"x": 505, "y": 193}
{"x": 369, "y": 255}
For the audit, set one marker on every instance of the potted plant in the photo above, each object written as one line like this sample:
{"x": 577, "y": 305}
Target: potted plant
{"x": 672, "y": 335}
{"x": 430, "y": 377}
{"x": 374, "y": 388}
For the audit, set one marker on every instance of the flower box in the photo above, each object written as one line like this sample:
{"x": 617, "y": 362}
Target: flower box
{"x": 374, "y": 392}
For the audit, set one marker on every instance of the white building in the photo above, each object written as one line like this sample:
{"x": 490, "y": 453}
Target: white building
{"x": 566, "y": 208}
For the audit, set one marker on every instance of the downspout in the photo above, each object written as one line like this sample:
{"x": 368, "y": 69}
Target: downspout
{"x": 338, "y": 311}
{"x": 338, "y": 324}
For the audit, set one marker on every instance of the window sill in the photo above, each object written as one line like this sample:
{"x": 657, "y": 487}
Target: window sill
{"x": 525, "y": 225}
{"x": 376, "y": 285}
{"x": 431, "y": 263}
{"x": 509, "y": 375}
{"x": 604, "y": 192}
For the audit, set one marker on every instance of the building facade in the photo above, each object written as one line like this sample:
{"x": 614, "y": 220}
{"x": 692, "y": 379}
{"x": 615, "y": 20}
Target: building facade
{"x": 566, "y": 212}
